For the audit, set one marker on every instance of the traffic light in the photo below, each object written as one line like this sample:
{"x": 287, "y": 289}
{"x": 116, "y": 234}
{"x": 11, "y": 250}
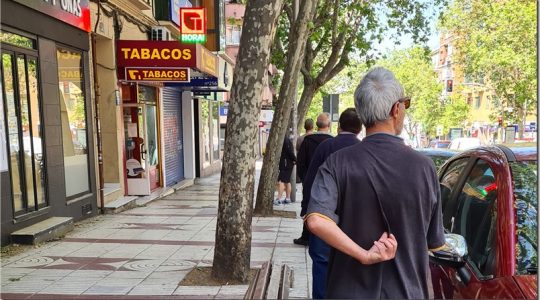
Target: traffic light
{"x": 449, "y": 85}
{"x": 500, "y": 120}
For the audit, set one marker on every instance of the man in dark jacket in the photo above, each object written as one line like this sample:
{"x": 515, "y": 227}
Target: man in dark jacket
{"x": 319, "y": 251}
{"x": 307, "y": 149}
{"x": 286, "y": 164}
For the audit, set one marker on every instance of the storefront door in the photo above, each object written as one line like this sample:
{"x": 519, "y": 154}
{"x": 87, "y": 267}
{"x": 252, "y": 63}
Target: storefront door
{"x": 142, "y": 142}
{"x": 22, "y": 117}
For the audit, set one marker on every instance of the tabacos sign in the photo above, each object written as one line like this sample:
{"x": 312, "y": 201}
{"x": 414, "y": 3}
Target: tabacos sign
{"x": 155, "y": 54}
{"x": 154, "y": 60}
{"x": 158, "y": 74}
{"x": 73, "y": 12}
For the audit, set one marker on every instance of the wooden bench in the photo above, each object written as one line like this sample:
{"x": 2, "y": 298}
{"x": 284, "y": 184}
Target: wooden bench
{"x": 271, "y": 281}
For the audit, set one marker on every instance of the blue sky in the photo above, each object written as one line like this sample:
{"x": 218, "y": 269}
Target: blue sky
{"x": 406, "y": 41}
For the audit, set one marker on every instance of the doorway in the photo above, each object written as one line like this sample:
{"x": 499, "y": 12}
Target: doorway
{"x": 142, "y": 147}
{"x": 23, "y": 122}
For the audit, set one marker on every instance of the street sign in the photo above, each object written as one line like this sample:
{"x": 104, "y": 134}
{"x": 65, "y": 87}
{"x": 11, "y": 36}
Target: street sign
{"x": 223, "y": 110}
{"x": 510, "y": 135}
{"x": 331, "y": 106}
{"x": 439, "y": 130}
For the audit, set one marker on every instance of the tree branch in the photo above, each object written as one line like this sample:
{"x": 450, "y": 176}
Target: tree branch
{"x": 335, "y": 21}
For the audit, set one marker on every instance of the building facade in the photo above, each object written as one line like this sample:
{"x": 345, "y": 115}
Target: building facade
{"x": 48, "y": 156}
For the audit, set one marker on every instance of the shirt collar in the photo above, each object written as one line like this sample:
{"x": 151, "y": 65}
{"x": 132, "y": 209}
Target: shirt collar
{"x": 385, "y": 134}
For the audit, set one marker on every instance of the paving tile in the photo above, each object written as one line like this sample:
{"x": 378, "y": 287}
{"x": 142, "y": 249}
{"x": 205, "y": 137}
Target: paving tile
{"x": 153, "y": 289}
{"x": 197, "y": 290}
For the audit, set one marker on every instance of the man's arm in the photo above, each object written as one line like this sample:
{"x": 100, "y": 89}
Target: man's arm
{"x": 382, "y": 250}
{"x": 322, "y": 219}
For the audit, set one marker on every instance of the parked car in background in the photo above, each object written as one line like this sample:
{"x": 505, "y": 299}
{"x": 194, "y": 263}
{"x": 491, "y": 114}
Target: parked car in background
{"x": 489, "y": 196}
{"x": 438, "y": 156}
{"x": 439, "y": 144}
{"x": 464, "y": 143}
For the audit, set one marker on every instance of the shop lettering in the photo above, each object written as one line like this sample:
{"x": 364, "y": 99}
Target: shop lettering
{"x": 76, "y": 74}
{"x": 193, "y": 38}
{"x": 71, "y": 6}
{"x": 159, "y": 54}
{"x": 150, "y": 74}
{"x": 164, "y": 74}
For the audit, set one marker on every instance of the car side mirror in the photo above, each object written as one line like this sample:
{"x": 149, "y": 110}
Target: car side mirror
{"x": 453, "y": 253}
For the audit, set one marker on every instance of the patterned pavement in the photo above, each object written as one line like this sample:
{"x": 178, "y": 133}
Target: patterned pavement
{"x": 143, "y": 253}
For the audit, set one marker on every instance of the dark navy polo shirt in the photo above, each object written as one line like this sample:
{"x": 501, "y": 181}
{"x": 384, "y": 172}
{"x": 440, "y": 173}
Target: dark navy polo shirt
{"x": 346, "y": 189}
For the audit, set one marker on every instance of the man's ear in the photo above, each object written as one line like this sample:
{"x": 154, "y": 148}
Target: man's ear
{"x": 394, "y": 112}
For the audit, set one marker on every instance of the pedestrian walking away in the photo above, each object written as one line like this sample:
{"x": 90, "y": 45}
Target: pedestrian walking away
{"x": 308, "y": 126}
{"x": 286, "y": 164}
{"x": 377, "y": 190}
{"x": 319, "y": 251}
{"x": 305, "y": 155}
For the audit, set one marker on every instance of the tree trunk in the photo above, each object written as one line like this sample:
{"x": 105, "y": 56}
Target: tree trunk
{"x": 305, "y": 101}
{"x": 297, "y": 42}
{"x": 233, "y": 229}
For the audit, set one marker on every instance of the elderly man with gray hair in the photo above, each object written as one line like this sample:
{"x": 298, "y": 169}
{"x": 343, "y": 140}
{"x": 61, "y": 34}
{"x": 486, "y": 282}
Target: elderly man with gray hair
{"x": 376, "y": 195}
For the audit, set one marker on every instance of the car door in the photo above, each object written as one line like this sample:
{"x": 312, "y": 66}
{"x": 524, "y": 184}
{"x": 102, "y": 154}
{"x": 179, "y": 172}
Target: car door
{"x": 450, "y": 178}
{"x": 471, "y": 211}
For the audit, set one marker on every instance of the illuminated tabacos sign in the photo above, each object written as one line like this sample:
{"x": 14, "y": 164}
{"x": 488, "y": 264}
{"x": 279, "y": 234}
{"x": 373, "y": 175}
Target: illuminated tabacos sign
{"x": 192, "y": 25}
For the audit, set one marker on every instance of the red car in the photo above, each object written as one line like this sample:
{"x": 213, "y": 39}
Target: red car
{"x": 489, "y": 197}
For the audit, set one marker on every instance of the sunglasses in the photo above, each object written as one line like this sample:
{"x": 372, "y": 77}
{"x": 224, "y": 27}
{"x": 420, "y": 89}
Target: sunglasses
{"x": 406, "y": 101}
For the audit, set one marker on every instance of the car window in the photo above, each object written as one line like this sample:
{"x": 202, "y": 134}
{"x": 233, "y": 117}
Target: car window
{"x": 449, "y": 180}
{"x": 525, "y": 179}
{"x": 476, "y": 217}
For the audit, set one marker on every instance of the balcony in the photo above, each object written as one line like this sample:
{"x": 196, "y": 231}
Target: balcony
{"x": 142, "y": 4}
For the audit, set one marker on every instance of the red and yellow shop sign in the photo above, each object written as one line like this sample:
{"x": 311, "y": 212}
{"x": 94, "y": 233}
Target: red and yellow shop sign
{"x": 145, "y": 58}
{"x": 193, "y": 25}
{"x": 158, "y": 74}
{"x": 155, "y": 54}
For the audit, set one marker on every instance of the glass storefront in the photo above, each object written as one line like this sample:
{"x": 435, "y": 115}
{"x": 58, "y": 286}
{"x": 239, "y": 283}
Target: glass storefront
{"x": 22, "y": 117}
{"x": 74, "y": 123}
{"x": 205, "y": 124}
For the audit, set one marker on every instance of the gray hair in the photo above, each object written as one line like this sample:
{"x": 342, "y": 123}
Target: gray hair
{"x": 375, "y": 95}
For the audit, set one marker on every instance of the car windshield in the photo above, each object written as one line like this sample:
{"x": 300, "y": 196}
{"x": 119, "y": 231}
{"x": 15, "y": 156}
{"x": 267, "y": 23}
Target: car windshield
{"x": 526, "y": 182}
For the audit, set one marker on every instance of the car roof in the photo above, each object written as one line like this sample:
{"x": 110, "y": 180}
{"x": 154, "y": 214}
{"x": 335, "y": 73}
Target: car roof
{"x": 438, "y": 152}
{"x": 521, "y": 151}
{"x": 513, "y": 152}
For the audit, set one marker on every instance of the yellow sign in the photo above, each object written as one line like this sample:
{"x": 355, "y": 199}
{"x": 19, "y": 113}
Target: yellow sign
{"x": 207, "y": 61}
{"x": 158, "y": 74}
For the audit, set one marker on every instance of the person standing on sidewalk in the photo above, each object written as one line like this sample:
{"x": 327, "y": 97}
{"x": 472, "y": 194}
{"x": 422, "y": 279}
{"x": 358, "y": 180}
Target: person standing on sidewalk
{"x": 305, "y": 154}
{"x": 319, "y": 251}
{"x": 308, "y": 126}
{"x": 378, "y": 190}
{"x": 286, "y": 164}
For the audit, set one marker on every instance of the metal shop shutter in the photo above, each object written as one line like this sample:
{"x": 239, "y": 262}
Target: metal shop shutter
{"x": 173, "y": 137}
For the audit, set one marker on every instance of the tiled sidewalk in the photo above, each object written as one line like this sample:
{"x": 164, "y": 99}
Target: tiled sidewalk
{"x": 145, "y": 252}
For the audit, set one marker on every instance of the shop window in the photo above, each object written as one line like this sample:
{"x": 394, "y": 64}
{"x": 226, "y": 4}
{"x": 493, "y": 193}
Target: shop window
{"x": 477, "y": 102}
{"x": 205, "y": 129}
{"x": 17, "y": 40}
{"x": 215, "y": 131}
{"x": 74, "y": 122}
{"x": 20, "y": 91}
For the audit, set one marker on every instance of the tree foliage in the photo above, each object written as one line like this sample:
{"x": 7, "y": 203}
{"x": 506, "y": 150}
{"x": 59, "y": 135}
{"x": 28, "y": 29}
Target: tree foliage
{"x": 496, "y": 40}
{"x": 429, "y": 109}
{"x": 341, "y": 29}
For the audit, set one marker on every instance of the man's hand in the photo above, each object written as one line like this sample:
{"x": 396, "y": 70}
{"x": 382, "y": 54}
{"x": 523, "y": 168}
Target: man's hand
{"x": 382, "y": 250}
